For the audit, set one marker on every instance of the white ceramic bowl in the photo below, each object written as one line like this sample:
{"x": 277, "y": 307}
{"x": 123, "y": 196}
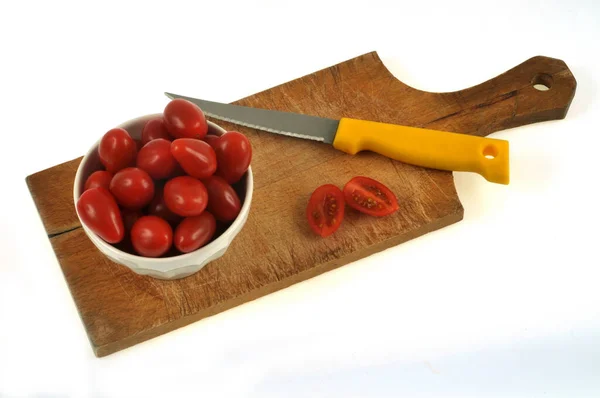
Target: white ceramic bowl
{"x": 175, "y": 267}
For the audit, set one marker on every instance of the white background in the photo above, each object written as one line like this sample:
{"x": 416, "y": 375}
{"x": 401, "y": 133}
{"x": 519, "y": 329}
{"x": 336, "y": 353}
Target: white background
{"x": 504, "y": 303}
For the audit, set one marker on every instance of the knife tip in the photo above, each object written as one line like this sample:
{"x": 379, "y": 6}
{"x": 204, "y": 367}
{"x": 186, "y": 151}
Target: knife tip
{"x": 169, "y": 95}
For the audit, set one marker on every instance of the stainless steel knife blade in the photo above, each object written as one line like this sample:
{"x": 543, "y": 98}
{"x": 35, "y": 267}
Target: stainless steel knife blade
{"x": 285, "y": 123}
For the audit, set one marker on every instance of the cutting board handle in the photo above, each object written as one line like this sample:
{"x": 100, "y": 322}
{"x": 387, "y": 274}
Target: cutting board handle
{"x": 537, "y": 90}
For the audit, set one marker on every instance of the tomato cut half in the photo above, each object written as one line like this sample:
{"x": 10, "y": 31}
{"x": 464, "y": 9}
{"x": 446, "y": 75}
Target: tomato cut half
{"x": 325, "y": 210}
{"x": 370, "y": 197}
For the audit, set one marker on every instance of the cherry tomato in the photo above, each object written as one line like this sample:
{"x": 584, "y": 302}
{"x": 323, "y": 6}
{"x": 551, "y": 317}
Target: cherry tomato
{"x": 117, "y": 150}
{"x": 100, "y": 213}
{"x": 154, "y": 129}
{"x": 325, "y": 210}
{"x": 196, "y": 157}
{"x": 156, "y": 159}
{"x": 370, "y": 196}
{"x": 151, "y": 236}
{"x": 234, "y": 154}
{"x": 132, "y": 187}
{"x": 157, "y": 207}
{"x": 211, "y": 140}
{"x": 100, "y": 178}
{"x": 185, "y": 196}
{"x": 194, "y": 232}
{"x": 223, "y": 202}
{"x": 130, "y": 217}
{"x": 184, "y": 119}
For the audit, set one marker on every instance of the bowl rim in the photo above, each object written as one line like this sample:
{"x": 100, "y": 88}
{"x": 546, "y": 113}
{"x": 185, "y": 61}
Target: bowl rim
{"x": 222, "y": 241}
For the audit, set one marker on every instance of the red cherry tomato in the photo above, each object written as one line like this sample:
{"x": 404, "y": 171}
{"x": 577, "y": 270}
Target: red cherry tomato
{"x": 223, "y": 202}
{"x": 184, "y": 119}
{"x": 234, "y": 155}
{"x": 196, "y": 157}
{"x": 185, "y": 196}
{"x": 132, "y": 187}
{"x": 211, "y": 140}
{"x": 370, "y": 197}
{"x": 117, "y": 150}
{"x": 154, "y": 129}
{"x": 194, "y": 232}
{"x": 325, "y": 210}
{"x": 100, "y": 178}
{"x": 151, "y": 236}
{"x": 100, "y": 213}
{"x": 129, "y": 218}
{"x": 156, "y": 159}
{"x": 158, "y": 208}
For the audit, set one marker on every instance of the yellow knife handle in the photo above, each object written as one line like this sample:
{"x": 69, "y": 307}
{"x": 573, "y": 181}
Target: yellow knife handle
{"x": 427, "y": 148}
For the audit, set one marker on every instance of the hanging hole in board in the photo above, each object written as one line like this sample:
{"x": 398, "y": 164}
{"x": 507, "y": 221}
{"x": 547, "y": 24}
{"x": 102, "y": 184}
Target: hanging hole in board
{"x": 490, "y": 152}
{"x": 542, "y": 82}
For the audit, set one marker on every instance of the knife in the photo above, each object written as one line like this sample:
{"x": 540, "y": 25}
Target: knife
{"x": 417, "y": 146}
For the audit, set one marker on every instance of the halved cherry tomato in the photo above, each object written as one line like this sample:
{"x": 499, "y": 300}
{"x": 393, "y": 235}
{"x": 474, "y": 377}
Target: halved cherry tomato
{"x": 234, "y": 154}
{"x": 132, "y": 187}
{"x": 156, "y": 159}
{"x": 100, "y": 213}
{"x": 223, "y": 201}
{"x": 370, "y": 197}
{"x": 157, "y": 207}
{"x": 325, "y": 210}
{"x": 185, "y": 196}
{"x": 184, "y": 119}
{"x": 100, "y": 178}
{"x": 194, "y": 232}
{"x": 154, "y": 129}
{"x": 151, "y": 236}
{"x": 117, "y": 150}
{"x": 196, "y": 157}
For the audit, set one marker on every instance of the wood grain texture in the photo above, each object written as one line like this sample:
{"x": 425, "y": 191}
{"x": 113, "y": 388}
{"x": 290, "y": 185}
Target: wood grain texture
{"x": 276, "y": 247}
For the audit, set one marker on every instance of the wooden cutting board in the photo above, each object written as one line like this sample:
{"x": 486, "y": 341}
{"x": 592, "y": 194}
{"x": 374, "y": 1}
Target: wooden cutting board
{"x": 276, "y": 247}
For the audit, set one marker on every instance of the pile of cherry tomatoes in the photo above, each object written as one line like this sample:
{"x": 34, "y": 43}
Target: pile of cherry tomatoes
{"x": 169, "y": 192}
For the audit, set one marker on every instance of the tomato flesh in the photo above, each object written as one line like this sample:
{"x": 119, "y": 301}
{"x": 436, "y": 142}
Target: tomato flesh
{"x": 325, "y": 210}
{"x": 370, "y": 197}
